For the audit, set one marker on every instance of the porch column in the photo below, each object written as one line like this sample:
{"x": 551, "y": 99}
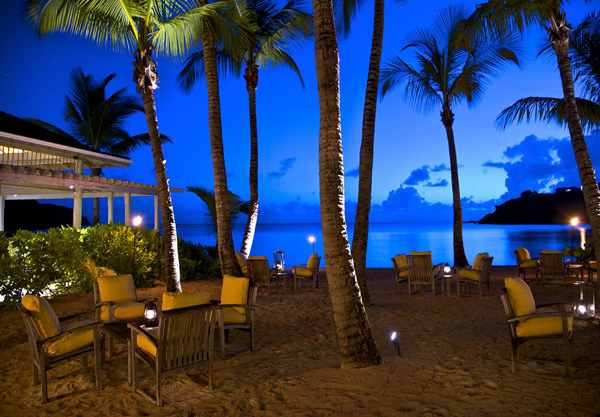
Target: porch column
{"x": 2, "y": 202}
{"x": 156, "y": 211}
{"x": 111, "y": 201}
{"x": 127, "y": 198}
{"x": 77, "y": 198}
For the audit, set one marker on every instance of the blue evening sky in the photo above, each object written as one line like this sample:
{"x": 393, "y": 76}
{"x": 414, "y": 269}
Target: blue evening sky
{"x": 411, "y": 179}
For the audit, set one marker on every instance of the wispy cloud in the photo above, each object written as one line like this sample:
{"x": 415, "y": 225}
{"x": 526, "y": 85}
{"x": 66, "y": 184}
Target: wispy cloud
{"x": 440, "y": 183}
{"x": 284, "y": 166}
{"x": 418, "y": 175}
{"x": 440, "y": 168}
{"x": 352, "y": 173}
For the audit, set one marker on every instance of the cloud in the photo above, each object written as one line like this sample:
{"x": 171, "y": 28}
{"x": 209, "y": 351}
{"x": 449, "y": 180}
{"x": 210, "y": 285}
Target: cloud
{"x": 491, "y": 164}
{"x": 440, "y": 168}
{"x": 230, "y": 175}
{"x": 352, "y": 173}
{"x": 284, "y": 166}
{"x": 418, "y": 175}
{"x": 440, "y": 183}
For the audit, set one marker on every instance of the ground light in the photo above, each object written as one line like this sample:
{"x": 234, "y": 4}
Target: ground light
{"x": 574, "y": 222}
{"x": 396, "y": 342}
{"x": 137, "y": 220}
{"x": 312, "y": 240}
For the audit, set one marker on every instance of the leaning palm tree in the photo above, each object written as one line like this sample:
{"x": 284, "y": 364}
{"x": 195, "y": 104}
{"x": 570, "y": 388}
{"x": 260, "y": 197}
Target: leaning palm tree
{"x": 514, "y": 16}
{"x": 273, "y": 31}
{"x": 585, "y": 59}
{"x": 142, "y": 26}
{"x": 451, "y": 67}
{"x": 97, "y": 120}
{"x": 356, "y": 342}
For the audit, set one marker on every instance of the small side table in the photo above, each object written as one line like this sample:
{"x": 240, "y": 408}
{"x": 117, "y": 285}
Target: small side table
{"x": 447, "y": 278}
{"x": 577, "y": 268}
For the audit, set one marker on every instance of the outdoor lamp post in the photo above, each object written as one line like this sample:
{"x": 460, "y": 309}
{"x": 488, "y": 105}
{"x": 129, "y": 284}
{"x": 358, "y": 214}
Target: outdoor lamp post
{"x": 151, "y": 313}
{"x": 137, "y": 220}
{"x": 278, "y": 260}
{"x": 312, "y": 240}
{"x": 396, "y": 342}
{"x": 574, "y": 222}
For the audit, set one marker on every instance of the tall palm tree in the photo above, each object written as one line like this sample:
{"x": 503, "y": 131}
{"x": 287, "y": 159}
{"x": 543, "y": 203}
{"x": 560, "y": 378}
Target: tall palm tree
{"x": 365, "y": 172}
{"x": 585, "y": 59}
{"x": 356, "y": 342}
{"x": 272, "y": 33}
{"x": 97, "y": 120}
{"x": 451, "y": 67}
{"x": 143, "y": 26}
{"x": 236, "y": 205}
{"x": 508, "y": 16}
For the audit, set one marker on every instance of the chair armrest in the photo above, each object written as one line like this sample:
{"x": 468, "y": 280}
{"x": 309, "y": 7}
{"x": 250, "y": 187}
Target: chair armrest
{"x": 222, "y": 306}
{"x": 541, "y": 314}
{"x": 136, "y": 328}
{"x": 63, "y": 334}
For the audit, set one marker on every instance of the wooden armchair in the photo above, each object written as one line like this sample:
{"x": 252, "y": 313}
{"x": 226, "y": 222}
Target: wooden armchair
{"x": 182, "y": 342}
{"x": 526, "y": 321}
{"x": 525, "y": 262}
{"x": 308, "y": 271}
{"x": 421, "y": 271}
{"x": 238, "y": 305}
{"x": 553, "y": 267}
{"x": 260, "y": 273}
{"x": 54, "y": 343}
{"x": 401, "y": 270}
{"x": 478, "y": 274}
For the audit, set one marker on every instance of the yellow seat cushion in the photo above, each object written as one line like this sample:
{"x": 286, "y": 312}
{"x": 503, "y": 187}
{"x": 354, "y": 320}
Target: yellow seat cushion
{"x": 520, "y": 296}
{"x": 231, "y": 316}
{"x": 173, "y": 300}
{"x": 530, "y": 263}
{"x": 124, "y": 311}
{"x": 400, "y": 261}
{"x": 304, "y": 272}
{"x": 403, "y": 274}
{"x": 235, "y": 291}
{"x": 427, "y": 252}
{"x": 555, "y": 252}
{"x": 258, "y": 258}
{"x": 592, "y": 266}
{"x": 542, "y": 326}
{"x": 478, "y": 260}
{"x": 469, "y": 274}
{"x": 523, "y": 254}
{"x": 118, "y": 289}
{"x": 145, "y": 344}
{"x": 44, "y": 318}
{"x": 312, "y": 261}
{"x": 72, "y": 341}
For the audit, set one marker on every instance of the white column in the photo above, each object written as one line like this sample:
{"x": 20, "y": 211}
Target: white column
{"x": 156, "y": 211}
{"x": 78, "y": 199}
{"x": 2, "y": 202}
{"x": 127, "y": 198}
{"x": 111, "y": 202}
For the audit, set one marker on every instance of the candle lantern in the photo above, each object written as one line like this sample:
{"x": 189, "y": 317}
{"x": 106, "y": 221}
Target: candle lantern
{"x": 278, "y": 260}
{"x": 584, "y": 300}
{"x": 447, "y": 268}
{"x": 151, "y": 314}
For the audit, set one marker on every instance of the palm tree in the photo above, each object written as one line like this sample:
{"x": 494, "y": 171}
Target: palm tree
{"x": 365, "y": 174}
{"x": 585, "y": 53}
{"x": 356, "y": 342}
{"x": 97, "y": 120}
{"x": 501, "y": 16}
{"x": 236, "y": 205}
{"x": 451, "y": 67}
{"x": 272, "y": 32}
{"x": 143, "y": 26}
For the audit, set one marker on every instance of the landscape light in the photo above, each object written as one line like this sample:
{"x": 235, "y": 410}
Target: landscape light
{"x": 151, "y": 313}
{"x": 396, "y": 342}
{"x": 312, "y": 240}
{"x": 574, "y": 222}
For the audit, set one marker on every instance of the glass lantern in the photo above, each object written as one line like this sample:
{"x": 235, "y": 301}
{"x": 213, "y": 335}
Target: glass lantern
{"x": 584, "y": 300}
{"x": 151, "y": 314}
{"x": 278, "y": 260}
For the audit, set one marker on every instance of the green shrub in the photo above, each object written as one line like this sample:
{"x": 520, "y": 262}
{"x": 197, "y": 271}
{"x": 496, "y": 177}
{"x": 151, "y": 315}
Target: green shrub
{"x": 197, "y": 261}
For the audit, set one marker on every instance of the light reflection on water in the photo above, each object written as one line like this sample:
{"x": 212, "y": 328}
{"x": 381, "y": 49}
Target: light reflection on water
{"x": 389, "y": 239}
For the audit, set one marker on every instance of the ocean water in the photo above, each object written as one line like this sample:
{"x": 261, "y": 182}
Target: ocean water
{"x": 389, "y": 239}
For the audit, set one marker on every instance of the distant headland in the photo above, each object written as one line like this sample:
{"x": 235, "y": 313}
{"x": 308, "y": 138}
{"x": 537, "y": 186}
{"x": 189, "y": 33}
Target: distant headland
{"x": 32, "y": 215}
{"x": 540, "y": 208}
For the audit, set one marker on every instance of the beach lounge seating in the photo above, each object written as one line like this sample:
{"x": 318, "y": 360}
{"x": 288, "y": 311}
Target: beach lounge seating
{"x": 182, "y": 342}
{"x": 478, "y": 274}
{"x": 553, "y": 267}
{"x": 401, "y": 269}
{"x": 55, "y": 342}
{"x": 260, "y": 273}
{"x": 525, "y": 262}
{"x": 592, "y": 268}
{"x": 238, "y": 305}
{"x": 242, "y": 262}
{"x": 421, "y": 271}
{"x": 528, "y": 321}
{"x": 309, "y": 272}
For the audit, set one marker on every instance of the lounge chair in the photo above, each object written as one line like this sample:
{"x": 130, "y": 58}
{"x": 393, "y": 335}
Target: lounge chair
{"x": 478, "y": 274}
{"x": 401, "y": 269}
{"x": 308, "y": 271}
{"x": 421, "y": 271}
{"x": 553, "y": 267}
{"x": 525, "y": 262}
{"x": 260, "y": 273}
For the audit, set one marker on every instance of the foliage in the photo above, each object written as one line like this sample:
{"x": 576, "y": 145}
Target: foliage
{"x": 197, "y": 261}
{"x": 236, "y": 205}
{"x": 582, "y": 256}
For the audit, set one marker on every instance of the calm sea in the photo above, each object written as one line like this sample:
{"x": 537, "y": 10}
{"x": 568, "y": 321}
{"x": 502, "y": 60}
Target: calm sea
{"x": 389, "y": 239}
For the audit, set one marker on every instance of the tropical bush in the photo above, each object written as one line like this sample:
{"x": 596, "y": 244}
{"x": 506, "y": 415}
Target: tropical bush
{"x": 197, "y": 261}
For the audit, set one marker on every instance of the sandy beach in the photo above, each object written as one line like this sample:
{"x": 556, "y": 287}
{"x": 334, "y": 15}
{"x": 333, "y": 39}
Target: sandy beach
{"x": 456, "y": 362}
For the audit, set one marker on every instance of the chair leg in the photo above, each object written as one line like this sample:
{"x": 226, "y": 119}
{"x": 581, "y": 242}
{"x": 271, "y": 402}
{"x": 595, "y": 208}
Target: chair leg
{"x": 44, "y": 385}
{"x": 159, "y": 401}
{"x": 85, "y": 364}
{"x": 515, "y": 358}
{"x": 36, "y": 378}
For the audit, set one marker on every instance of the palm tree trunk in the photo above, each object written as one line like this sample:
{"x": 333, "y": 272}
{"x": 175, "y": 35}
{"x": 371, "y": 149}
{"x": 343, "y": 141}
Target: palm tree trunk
{"x": 365, "y": 176}
{"x": 96, "y": 219}
{"x": 251, "y": 78}
{"x": 460, "y": 259}
{"x": 559, "y": 38}
{"x": 356, "y": 342}
{"x": 164, "y": 195}
{"x": 227, "y": 258}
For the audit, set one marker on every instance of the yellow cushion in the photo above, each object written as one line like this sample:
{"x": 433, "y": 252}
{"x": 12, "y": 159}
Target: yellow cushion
{"x": 427, "y": 252}
{"x": 72, "y": 341}
{"x": 523, "y": 254}
{"x": 43, "y": 316}
{"x": 469, "y": 274}
{"x": 235, "y": 291}
{"x": 144, "y": 343}
{"x": 542, "y": 326}
{"x": 520, "y": 296}
{"x": 593, "y": 266}
{"x": 530, "y": 263}
{"x": 555, "y": 252}
{"x": 400, "y": 261}
{"x": 124, "y": 311}
{"x": 172, "y": 300}
{"x": 478, "y": 260}
{"x": 304, "y": 272}
{"x": 232, "y": 316}
{"x": 118, "y": 289}
{"x": 312, "y": 261}
{"x": 260, "y": 258}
